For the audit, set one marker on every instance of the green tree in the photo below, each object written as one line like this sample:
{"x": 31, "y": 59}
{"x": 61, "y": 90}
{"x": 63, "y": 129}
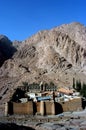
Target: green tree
{"x": 78, "y": 85}
{"x": 83, "y": 90}
{"x": 74, "y": 83}
{"x": 26, "y": 85}
{"x": 52, "y": 86}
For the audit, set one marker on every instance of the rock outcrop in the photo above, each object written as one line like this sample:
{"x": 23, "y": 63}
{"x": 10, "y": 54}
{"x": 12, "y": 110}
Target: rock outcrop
{"x": 6, "y": 49}
{"x": 56, "y": 55}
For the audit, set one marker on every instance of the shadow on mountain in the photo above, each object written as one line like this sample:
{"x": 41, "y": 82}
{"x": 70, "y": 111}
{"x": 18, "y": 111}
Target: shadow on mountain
{"x": 6, "y": 49}
{"x": 12, "y": 126}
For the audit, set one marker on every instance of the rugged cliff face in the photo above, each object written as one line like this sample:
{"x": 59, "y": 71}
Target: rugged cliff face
{"x": 6, "y": 49}
{"x": 57, "y": 55}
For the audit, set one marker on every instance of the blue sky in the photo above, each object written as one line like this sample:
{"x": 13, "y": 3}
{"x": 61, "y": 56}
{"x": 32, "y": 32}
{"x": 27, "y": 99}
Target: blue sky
{"x": 19, "y": 19}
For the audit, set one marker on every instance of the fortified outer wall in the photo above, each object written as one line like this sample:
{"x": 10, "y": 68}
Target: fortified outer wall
{"x": 23, "y": 108}
{"x": 72, "y": 105}
{"x": 19, "y": 108}
{"x": 49, "y": 108}
{"x": 43, "y": 107}
{"x": 52, "y": 108}
{"x": 37, "y": 107}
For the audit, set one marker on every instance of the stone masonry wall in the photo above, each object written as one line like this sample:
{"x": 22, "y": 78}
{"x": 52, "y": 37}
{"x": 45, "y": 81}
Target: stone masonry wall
{"x": 72, "y": 105}
{"x": 23, "y": 108}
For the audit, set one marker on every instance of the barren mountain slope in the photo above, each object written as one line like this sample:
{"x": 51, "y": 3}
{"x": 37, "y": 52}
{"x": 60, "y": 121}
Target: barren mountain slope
{"x": 6, "y": 49}
{"x": 56, "y": 55}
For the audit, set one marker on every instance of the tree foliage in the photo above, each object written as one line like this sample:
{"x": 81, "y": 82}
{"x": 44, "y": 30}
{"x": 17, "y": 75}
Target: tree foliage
{"x": 78, "y": 85}
{"x": 74, "y": 83}
{"x": 83, "y": 90}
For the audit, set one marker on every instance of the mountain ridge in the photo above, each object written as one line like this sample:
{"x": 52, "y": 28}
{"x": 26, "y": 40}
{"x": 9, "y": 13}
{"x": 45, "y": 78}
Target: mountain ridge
{"x": 57, "y": 55}
{"x": 6, "y": 49}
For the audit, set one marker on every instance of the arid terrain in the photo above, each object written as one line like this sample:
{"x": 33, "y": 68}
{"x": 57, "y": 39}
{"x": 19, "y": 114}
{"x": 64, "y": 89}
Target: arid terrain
{"x": 64, "y": 121}
{"x": 56, "y": 55}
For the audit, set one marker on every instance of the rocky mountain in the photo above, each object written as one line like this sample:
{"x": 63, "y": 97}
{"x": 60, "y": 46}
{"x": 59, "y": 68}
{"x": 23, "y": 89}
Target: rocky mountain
{"x": 16, "y": 44}
{"x": 56, "y": 55}
{"x": 6, "y": 49}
